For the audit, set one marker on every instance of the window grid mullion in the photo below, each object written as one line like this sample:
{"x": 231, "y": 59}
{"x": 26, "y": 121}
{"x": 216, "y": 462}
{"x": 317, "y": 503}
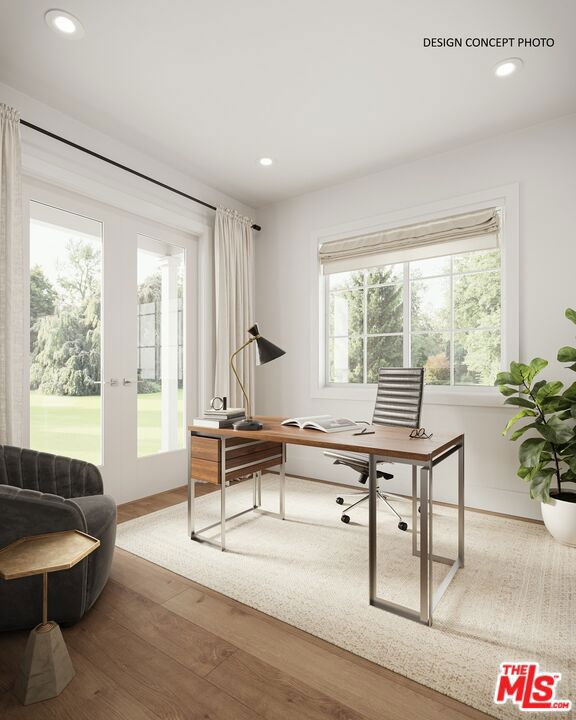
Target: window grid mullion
{"x": 365, "y": 329}
{"x": 452, "y": 321}
{"x": 406, "y": 317}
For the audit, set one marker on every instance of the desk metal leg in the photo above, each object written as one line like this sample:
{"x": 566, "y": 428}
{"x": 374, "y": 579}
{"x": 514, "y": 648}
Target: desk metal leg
{"x": 223, "y": 494}
{"x": 372, "y": 529}
{"x": 425, "y": 545}
{"x": 461, "y": 504}
{"x": 414, "y": 510}
{"x": 283, "y": 483}
{"x": 254, "y": 490}
{"x": 191, "y": 488}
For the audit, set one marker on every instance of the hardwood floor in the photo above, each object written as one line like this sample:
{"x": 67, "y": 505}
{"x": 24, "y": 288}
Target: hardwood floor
{"x": 157, "y": 645}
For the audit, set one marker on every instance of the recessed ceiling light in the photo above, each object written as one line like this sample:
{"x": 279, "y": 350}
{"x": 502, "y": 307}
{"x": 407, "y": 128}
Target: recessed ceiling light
{"x": 507, "y": 67}
{"x": 266, "y": 162}
{"x": 64, "y": 24}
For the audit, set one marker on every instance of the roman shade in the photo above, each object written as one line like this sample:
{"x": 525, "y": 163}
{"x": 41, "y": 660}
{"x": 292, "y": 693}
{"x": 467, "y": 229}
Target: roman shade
{"x": 478, "y": 230}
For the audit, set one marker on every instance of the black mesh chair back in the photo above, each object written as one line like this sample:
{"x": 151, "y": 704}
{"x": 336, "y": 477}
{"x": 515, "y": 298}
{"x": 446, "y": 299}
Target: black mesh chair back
{"x": 399, "y": 397}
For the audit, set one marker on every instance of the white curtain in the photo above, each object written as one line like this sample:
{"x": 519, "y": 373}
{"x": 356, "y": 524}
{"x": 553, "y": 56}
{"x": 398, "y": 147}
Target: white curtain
{"x": 234, "y": 285}
{"x": 12, "y": 346}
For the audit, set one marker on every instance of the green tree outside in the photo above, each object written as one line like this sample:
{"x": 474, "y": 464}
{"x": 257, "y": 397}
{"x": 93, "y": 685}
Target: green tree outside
{"x": 43, "y": 297}
{"x": 466, "y": 287}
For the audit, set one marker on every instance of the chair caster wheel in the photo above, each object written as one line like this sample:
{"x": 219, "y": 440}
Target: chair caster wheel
{"x": 402, "y": 525}
{"x": 340, "y": 500}
{"x": 345, "y": 519}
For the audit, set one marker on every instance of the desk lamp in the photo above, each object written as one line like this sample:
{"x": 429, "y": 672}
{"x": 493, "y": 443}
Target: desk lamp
{"x": 265, "y": 352}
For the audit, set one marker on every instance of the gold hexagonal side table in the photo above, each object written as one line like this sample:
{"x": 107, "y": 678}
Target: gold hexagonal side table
{"x": 46, "y": 668}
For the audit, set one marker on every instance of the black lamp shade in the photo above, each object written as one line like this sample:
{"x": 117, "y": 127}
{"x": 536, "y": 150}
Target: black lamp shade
{"x": 266, "y": 351}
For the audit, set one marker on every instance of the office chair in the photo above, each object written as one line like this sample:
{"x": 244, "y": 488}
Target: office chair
{"x": 398, "y": 404}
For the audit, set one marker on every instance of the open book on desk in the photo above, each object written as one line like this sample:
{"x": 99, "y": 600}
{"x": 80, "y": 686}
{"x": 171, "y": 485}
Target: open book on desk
{"x": 325, "y": 423}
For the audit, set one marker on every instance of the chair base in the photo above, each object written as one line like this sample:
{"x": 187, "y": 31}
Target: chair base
{"x": 402, "y": 525}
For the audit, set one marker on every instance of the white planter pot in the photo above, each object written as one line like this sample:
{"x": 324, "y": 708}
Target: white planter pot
{"x": 560, "y": 519}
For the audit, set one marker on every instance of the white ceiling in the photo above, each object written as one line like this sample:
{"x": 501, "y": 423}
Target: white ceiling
{"x": 331, "y": 89}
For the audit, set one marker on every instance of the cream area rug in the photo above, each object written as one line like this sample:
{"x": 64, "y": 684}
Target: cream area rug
{"x": 514, "y": 600}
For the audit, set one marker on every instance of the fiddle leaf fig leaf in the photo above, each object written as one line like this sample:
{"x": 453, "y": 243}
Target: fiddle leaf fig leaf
{"x": 525, "y": 412}
{"x": 549, "y": 389}
{"x": 505, "y": 390}
{"x": 520, "y": 402}
{"x": 570, "y": 392}
{"x": 571, "y": 314}
{"x": 529, "y": 452}
{"x": 537, "y": 365}
{"x": 555, "y": 404}
{"x": 567, "y": 354}
{"x": 571, "y": 462}
{"x": 518, "y": 433}
{"x": 540, "y": 484}
{"x": 556, "y": 431}
{"x": 537, "y": 386}
{"x": 506, "y": 378}
{"x": 517, "y": 372}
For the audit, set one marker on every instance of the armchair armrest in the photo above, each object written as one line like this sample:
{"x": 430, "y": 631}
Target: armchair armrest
{"x": 69, "y": 478}
{"x": 29, "y": 512}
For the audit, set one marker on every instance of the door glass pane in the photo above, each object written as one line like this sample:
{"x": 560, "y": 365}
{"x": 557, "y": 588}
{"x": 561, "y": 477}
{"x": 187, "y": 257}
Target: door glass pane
{"x": 65, "y": 330}
{"x": 160, "y": 346}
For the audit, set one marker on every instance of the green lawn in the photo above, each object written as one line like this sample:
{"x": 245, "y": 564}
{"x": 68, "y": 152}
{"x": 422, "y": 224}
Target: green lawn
{"x": 71, "y": 425}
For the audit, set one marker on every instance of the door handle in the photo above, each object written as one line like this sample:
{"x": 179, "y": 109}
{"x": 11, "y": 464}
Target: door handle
{"x": 112, "y": 381}
{"x": 127, "y": 381}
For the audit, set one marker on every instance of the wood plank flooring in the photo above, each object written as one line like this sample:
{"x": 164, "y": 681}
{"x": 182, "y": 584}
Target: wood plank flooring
{"x": 157, "y": 645}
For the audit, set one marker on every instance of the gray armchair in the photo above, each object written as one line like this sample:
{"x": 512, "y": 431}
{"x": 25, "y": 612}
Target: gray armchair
{"x": 42, "y": 493}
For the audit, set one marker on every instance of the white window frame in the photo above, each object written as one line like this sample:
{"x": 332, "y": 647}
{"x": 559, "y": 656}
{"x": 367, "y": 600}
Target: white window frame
{"x": 504, "y": 197}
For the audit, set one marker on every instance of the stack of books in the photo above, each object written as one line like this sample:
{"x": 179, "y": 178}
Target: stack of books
{"x": 219, "y": 418}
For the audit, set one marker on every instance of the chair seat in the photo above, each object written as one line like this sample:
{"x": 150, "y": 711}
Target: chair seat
{"x": 357, "y": 461}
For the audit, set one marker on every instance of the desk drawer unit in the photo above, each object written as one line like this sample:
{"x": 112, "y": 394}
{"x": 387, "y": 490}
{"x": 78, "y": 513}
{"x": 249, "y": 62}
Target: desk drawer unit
{"x": 243, "y": 457}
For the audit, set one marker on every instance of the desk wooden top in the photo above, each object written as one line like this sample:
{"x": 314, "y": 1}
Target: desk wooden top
{"x": 386, "y": 441}
{"x": 38, "y": 554}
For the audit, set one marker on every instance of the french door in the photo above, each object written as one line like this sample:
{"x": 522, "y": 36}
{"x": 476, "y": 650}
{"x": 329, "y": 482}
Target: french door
{"x": 112, "y": 328}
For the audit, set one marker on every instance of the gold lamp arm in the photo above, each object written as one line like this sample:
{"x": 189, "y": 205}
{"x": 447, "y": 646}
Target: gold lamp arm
{"x": 248, "y": 412}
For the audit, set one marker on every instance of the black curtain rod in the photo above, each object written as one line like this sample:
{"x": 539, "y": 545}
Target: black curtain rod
{"x": 119, "y": 165}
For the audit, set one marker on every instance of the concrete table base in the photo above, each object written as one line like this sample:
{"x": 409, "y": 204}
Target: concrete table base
{"x": 46, "y": 667}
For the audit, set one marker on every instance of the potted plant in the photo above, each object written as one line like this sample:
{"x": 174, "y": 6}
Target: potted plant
{"x": 548, "y": 456}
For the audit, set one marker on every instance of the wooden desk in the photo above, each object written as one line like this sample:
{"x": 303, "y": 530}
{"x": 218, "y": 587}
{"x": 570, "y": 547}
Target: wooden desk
{"x": 386, "y": 444}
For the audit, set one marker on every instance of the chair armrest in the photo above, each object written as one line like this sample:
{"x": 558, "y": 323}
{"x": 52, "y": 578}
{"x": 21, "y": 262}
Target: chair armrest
{"x": 28, "y": 512}
{"x": 69, "y": 478}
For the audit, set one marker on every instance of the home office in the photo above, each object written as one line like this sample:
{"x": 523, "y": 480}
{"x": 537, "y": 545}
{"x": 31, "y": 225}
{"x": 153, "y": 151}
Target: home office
{"x": 287, "y": 371}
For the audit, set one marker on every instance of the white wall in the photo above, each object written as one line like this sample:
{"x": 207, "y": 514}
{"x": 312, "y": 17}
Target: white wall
{"x": 542, "y": 159}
